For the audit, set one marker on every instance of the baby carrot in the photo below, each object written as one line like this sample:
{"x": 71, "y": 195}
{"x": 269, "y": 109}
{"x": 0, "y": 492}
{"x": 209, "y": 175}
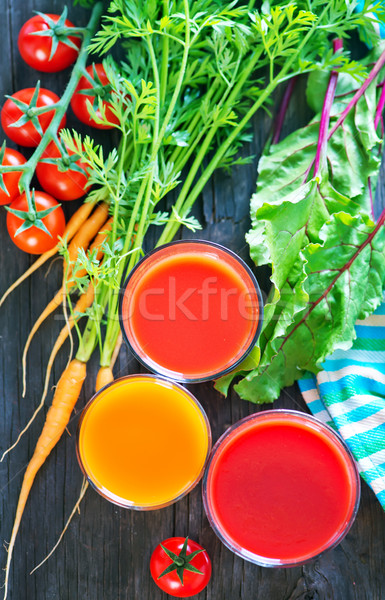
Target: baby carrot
{"x": 103, "y": 377}
{"x": 66, "y": 395}
{"x": 87, "y": 232}
{"x": 82, "y": 239}
{"x": 105, "y": 374}
{"x": 73, "y": 225}
{"x": 85, "y": 300}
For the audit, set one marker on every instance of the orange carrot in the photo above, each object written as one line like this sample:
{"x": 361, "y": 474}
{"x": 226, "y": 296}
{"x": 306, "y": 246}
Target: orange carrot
{"x": 103, "y": 377}
{"x": 81, "y": 239}
{"x": 66, "y": 395}
{"x": 73, "y": 225}
{"x": 85, "y": 300}
{"x": 88, "y": 231}
{"x": 97, "y": 243}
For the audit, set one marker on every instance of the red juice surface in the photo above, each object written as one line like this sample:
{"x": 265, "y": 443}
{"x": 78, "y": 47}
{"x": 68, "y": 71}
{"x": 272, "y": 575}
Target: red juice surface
{"x": 281, "y": 489}
{"x": 190, "y": 309}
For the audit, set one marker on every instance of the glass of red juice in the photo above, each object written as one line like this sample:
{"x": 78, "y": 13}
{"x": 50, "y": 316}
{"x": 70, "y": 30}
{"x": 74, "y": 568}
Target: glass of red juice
{"x": 280, "y": 488}
{"x": 191, "y": 310}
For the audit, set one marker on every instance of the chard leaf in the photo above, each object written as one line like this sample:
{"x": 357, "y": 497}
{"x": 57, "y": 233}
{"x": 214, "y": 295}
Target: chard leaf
{"x": 316, "y": 233}
{"x": 285, "y": 166}
{"x": 288, "y": 210}
{"x": 352, "y": 252}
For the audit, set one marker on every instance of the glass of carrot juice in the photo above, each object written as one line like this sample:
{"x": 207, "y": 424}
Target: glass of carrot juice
{"x": 280, "y": 488}
{"x": 191, "y": 310}
{"x": 143, "y": 442}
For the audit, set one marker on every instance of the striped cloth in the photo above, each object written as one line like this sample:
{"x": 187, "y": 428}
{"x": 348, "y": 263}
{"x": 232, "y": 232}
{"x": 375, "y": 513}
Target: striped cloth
{"x": 349, "y": 395}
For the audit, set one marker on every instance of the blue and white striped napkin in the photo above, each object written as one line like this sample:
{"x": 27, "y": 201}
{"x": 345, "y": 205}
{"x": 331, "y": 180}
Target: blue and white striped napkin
{"x": 349, "y": 395}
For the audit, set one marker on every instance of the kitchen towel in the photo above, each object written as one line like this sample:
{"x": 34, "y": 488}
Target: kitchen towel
{"x": 349, "y": 395}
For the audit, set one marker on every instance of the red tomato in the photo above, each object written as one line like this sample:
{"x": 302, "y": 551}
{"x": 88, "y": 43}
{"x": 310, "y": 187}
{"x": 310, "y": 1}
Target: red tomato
{"x": 62, "y": 180}
{"x": 26, "y": 134}
{"x": 11, "y": 179}
{"x": 192, "y": 558}
{"x": 36, "y": 49}
{"x": 34, "y": 240}
{"x": 100, "y": 88}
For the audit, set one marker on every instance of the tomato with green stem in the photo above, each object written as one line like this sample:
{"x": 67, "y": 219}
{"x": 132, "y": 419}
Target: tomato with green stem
{"x": 36, "y": 232}
{"x": 92, "y": 86}
{"x": 62, "y": 173}
{"x": 26, "y": 115}
{"x": 180, "y": 567}
{"x": 9, "y": 182}
{"x": 46, "y": 44}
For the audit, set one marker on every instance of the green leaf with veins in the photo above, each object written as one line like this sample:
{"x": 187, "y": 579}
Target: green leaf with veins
{"x": 352, "y": 251}
{"x": 308, "y": 231}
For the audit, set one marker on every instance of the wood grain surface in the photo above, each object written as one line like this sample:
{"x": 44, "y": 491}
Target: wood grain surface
{"x": 106, "y": 551}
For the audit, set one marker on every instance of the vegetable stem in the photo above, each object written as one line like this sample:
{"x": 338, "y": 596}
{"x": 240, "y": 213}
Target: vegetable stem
{"x": 380, "y": 106}
{"x": 165, "y": 51}
{"x": 283, "y": 109}
{"x": 112, "y": 323}
{"x": 61, "y": 106}
{"x": 320, "y": 158}
{"x": 372, "y": 75}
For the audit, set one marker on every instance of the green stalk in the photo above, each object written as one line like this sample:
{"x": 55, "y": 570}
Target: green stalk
{"x": 231, "y": 101}
{"x": 139, "y": 237}
{"x": 116, "y": 196}
{"x": 195, "y": 126}
{"x": 187, "y": 198}
{"x": 91, "y": 334}
{"x": 165, "y": 50}
{"x": 61, "y": 106}
{"x": 113, "y": 322}
{"x": 113, "y": 301}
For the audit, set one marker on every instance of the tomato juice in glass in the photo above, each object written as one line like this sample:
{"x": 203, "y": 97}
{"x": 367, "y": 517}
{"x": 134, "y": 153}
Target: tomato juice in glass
{"x": 191, "y": 310}
{"x": 280, "y": 488}
{"x": 143, "y": 442}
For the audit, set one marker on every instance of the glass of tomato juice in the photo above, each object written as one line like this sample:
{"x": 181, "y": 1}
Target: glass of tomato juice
{"x": 191, "y": 310}
{"x": 280, "y": 488}
{"x": 143, "y": 442}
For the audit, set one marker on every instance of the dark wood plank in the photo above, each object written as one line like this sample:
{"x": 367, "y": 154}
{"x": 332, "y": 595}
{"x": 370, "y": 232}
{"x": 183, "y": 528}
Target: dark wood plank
{"x": 106, "y": 550}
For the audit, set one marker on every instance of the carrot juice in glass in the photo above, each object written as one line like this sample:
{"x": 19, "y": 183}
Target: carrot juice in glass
{"x": 280, "y": 488}
{"x": 191, "y": 310}
{"x": 143, "y": 442}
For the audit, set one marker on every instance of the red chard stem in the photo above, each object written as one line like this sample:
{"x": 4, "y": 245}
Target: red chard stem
{"x": 372, "y": 75}
{"x": 380, "y": 106}
{"x": 283, "y": 109}
{"x": 325, "y": 118}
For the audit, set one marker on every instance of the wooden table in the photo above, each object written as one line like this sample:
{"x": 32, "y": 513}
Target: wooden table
{"x": 106, "y": 551}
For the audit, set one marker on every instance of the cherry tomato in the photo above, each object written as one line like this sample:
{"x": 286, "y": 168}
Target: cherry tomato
{"x": 27, "y": 134}
{"x": 34, "y": 240}
{"x": 11, "y": 179}
{"x": 64, "y": 180}
{"x": 100, "y": 88}
{"x": 180, "y": 567}
{"x": 36, "y": 49}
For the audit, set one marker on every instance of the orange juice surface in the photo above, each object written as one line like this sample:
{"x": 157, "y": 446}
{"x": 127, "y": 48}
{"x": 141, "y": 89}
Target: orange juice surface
{"x": 143, "y": 441}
